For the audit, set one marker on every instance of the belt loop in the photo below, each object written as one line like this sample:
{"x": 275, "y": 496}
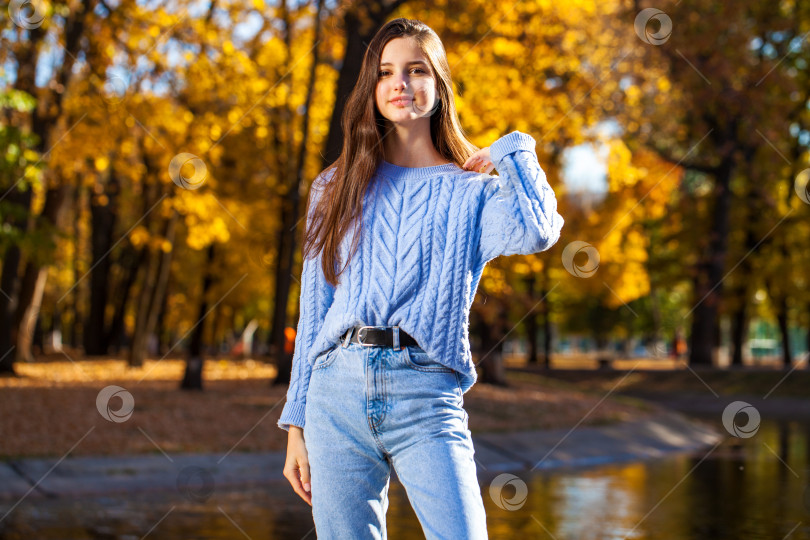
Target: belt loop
{"x": 396, "y": 338}
{"x": 349, "y": 333}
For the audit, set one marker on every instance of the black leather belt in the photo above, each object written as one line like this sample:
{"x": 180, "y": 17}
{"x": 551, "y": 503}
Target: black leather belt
{"x": 380, "y": 336}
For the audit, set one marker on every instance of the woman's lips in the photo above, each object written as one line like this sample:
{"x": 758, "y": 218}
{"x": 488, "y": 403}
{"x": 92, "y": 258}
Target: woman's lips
{"x": 401, "y": 101}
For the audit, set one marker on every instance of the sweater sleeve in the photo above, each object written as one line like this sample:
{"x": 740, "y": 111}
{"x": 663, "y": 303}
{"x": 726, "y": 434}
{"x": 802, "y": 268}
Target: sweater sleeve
{"x": 519, "y": 212}
{"x": 316, "y": 298}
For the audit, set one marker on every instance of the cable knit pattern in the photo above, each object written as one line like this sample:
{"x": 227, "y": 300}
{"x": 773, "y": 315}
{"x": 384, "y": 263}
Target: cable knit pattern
{"x": 428, "y": 233}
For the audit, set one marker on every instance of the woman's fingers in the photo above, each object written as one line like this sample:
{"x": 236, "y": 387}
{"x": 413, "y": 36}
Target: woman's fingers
{"x": 299, "y": 487}
{"x": 479, "y": 161}
{"x": 305, "y": 479}
{"x": 297, "y": 473}
{"x": 473, "y": 160}
{"x": 477, "y": 165}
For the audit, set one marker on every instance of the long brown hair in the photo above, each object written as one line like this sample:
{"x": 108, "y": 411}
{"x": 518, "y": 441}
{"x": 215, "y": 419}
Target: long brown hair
{"x": 340, "y": 204}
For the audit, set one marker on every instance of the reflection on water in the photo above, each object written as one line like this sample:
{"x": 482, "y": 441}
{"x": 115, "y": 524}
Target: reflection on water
{"x": 744, "y": 489}
{"x": 750, "y": 489}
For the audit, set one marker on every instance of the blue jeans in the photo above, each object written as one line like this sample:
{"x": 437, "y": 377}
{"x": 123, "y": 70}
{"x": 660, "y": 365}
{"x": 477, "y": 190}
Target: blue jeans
{"x": 368, "y": 408}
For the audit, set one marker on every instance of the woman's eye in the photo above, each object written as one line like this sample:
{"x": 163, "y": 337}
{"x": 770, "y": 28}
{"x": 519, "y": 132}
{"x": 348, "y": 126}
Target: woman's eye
{"x": 382, "y": 73}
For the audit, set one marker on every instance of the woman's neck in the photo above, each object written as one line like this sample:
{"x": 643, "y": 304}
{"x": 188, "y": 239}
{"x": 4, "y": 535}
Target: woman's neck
{"x": 411, "y": 149}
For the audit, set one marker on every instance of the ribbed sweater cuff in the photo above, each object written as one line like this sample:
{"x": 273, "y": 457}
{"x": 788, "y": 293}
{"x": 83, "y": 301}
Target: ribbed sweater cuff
{"x": 292, "y": 414}
{"x": 509, "y": 143}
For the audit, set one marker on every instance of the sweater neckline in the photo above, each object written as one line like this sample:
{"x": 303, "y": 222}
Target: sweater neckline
{"x": 397, "y": 171}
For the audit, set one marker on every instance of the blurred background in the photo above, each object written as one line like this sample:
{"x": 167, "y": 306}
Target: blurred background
{"x": 158, "y": 158}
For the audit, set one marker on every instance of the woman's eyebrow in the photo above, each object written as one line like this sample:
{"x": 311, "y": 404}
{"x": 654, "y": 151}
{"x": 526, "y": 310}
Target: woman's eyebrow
{"x": 409, "y": 63}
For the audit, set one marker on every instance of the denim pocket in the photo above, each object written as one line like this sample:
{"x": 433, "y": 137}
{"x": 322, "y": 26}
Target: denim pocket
{"x": 326, "y": 358}
{"x": 418, "y": 359}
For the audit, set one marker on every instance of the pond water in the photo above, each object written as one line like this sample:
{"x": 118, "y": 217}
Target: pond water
{"x": 755, "y": 488}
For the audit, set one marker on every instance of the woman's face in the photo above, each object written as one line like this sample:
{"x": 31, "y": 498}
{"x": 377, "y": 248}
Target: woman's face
{"x": 404, "y": 72}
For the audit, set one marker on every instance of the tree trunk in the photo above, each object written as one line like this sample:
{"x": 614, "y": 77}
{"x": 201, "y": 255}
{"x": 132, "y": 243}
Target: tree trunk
{"x": 739, "y": 329}
{"x": 658, "y": 338}
{"x": 33, "y": 282}
{"x": 547, "y": 328}
{"x": 783, "y": 320}
{"x": 103, "y": 212}
{"x": 708, "y": 281}
{"x": 784, "y": 291}
{"x": 531, "y": 321}
{"x": 739, "y": 325}
{"x": 162, "y": 332}
{"x": 214, "y": 343}
{"x": 131, "y": 261}
{"x": 192, "y": 379}
{"x": 151, "y": 262}
{"x": 282, "y": 360}
{"x": 491, "y": 361}
{"x": 655, "y": 314}
{"x": 8, "y": 282}
{"x": 137, "y": 351}
{"x": 29, "y": 317}
{"x": 604, "y": 355}
{"x": 162, "y": 279}
{"x": 72, "y": 300}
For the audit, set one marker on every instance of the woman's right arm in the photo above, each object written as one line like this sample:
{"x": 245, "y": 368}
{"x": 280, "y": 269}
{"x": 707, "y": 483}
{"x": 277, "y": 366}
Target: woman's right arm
{"x": 315, "y": 299}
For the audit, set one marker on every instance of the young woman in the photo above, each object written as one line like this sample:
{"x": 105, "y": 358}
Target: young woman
{"x": 382, "y": 355}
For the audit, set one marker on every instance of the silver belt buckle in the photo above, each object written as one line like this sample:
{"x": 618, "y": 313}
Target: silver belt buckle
{"x": 359, "y": 339}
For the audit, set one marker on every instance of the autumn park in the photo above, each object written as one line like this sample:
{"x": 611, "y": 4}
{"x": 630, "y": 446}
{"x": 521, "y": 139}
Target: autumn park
{"x": 645, "y": 377}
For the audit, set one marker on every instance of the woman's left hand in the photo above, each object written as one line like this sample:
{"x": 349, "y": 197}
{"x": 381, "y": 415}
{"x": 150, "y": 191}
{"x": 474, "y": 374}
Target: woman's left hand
{"x": 480, "y": 161}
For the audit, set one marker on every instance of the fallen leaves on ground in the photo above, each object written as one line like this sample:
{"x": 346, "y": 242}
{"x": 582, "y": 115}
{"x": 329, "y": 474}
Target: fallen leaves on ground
{"x": 50, "y": 409}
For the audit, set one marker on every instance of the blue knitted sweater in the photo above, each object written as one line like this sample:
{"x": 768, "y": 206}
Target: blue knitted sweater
{"x": 427, "y": 233}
